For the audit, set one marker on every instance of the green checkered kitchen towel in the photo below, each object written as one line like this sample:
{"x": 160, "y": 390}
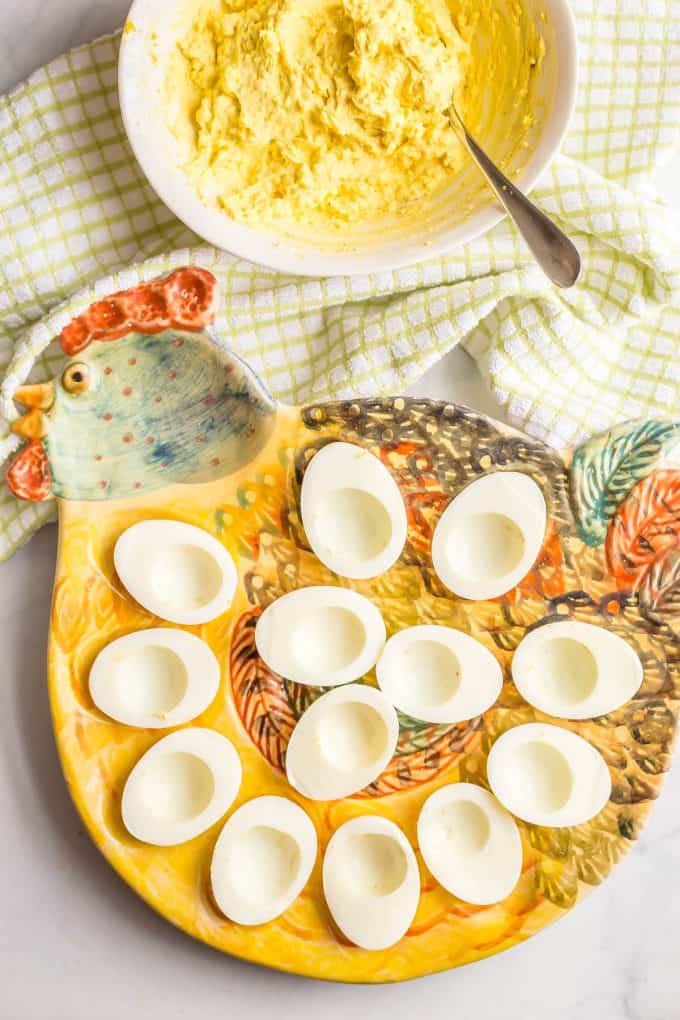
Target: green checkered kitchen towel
{"x": 77, "y": 215}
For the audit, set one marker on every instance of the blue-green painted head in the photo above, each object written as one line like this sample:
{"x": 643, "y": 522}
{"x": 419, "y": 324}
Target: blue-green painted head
{"x": 143, "y": 411}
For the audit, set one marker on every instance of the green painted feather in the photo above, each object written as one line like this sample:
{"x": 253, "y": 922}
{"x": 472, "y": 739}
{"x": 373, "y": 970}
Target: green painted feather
{"x": 606, "y": 468}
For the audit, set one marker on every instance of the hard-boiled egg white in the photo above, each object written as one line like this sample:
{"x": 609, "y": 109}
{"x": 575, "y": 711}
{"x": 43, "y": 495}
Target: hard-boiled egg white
{"x": 322, "y": 635}
{"x": 352, "y": 511}
{"x": 470, "y": 843}
{"x": 262, "y": 859}
{"x": 575, "y": 670}
{"x": 438, "y": 674}
{"x": 175, "y": 570}
{"x": 490, "y": 535}
{"x": 154, "y": 678}
{"x": 181, "y": 786}
{"x": 342, "y": 743}
{"x": 371, "y": 881}
{"x": 548, "y": 776}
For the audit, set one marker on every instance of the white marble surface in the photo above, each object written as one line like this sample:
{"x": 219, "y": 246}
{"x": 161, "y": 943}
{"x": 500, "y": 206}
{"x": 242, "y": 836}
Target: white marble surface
{"x": 76, "y": 944}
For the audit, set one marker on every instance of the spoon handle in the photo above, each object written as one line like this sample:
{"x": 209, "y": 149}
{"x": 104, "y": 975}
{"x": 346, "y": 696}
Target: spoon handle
{"x": 555, "y": 253}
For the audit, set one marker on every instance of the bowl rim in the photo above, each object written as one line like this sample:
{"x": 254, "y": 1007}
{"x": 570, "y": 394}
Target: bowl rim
{"x": 272, "y": 253}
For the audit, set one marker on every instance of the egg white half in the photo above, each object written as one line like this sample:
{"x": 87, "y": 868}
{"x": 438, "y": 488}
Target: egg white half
{"x": 182, "y": 785}
{"x": 371, "y": 881}
{"x": 575, "y": 670}
{"x": 438, "y": 674}
{"x": 548, "y": 776}
{"x": 490, "y": 535}
{"x": 262, "y": 859}
{"x": 154, "y": 678}
{"x": 176, "y": 571}
{"x": 323, "y": 635}
{"x": 342, "y": 743}
{"x": 352, "y": 511}
{"x": 470, "y": 843}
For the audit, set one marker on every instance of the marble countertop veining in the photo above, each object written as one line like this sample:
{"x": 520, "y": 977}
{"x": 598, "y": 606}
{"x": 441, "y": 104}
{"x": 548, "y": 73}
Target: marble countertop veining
{"x": 76, "y": 944}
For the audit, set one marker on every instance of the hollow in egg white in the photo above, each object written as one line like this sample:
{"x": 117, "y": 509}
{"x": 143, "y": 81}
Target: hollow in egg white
{"x": 548, "y": 776}
{"x": 262, "y": 859}
{"x": 470, "y": 843}
{"x": 154, "y": 678}
{"x": 371, "y": 881}
{"x": 175, "y": 570}
{"x": 575, "y": 670}
{"x": 438, "y": 674}
{"x": 323, "y": 636}
{"x": 490, "y": 535}
{"x": 181, "y": 786}
{"x": 352, "y": 511}
{"x": 342, "y": 743}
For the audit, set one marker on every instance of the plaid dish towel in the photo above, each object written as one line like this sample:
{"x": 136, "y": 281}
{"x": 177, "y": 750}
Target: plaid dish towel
{"x": 77, "y": 215}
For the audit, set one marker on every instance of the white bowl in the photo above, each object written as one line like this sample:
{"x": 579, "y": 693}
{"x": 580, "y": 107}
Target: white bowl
{"x": 460, "y": 212}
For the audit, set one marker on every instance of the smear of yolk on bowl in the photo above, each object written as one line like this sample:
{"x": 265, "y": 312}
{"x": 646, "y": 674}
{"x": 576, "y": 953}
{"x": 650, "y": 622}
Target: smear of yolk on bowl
{"x": 332, "y": 112}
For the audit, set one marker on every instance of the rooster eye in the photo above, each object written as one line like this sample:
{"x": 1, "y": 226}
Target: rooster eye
{"x": 76, "y": 378}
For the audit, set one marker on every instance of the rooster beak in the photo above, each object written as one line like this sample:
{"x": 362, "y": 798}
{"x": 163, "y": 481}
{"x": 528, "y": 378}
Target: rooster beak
{"x": 39, "y": 397}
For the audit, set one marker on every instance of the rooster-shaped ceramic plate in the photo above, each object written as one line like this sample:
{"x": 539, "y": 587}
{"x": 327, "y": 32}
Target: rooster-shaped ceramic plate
{"x": 154, "y": 418}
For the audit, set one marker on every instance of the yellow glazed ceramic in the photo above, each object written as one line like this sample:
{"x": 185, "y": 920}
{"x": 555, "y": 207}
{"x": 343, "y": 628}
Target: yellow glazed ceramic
{"x": 150, "y": 419}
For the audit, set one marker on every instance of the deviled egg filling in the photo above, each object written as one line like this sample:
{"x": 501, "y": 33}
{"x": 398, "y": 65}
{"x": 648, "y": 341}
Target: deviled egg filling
{"x": 548, "y": 776}
{"x": 154, "y": 678}
{"x": 342, "y": 743}
{"x": 323, "y": 636}
{"x": 470, "y": 843}
{"x": 181, "y": 786}
{"x": 176, "y": 571}
{"x": 438, "y": 674}
{"x": 262, "y": 860}
{"x": 352, "y": 511}
{"x": 371, "y": 881}
{"x": 575, "y": 670}
{"x": 490, "y": 535}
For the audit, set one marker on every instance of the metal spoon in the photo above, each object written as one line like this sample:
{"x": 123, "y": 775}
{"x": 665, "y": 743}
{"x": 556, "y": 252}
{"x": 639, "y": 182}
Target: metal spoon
{"x": 552, "y": 249}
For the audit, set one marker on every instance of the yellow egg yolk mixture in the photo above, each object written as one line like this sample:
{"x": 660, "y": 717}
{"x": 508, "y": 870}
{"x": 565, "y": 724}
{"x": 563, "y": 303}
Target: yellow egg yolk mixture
{"x": 321, "y": 112}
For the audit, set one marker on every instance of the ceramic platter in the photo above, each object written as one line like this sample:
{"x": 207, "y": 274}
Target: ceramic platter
{"x": 150, "y": 420}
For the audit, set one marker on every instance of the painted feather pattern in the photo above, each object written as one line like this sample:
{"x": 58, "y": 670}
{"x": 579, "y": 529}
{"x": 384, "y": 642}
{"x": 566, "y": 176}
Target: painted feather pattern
{"x": 606, "y": 468}
{"x": 269, "y": 708}
{"x": 646, "y": 523}
{"x": 660, "y": 590}
{"x": 424, "y": 751}
{"x": 259, "y": 695}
